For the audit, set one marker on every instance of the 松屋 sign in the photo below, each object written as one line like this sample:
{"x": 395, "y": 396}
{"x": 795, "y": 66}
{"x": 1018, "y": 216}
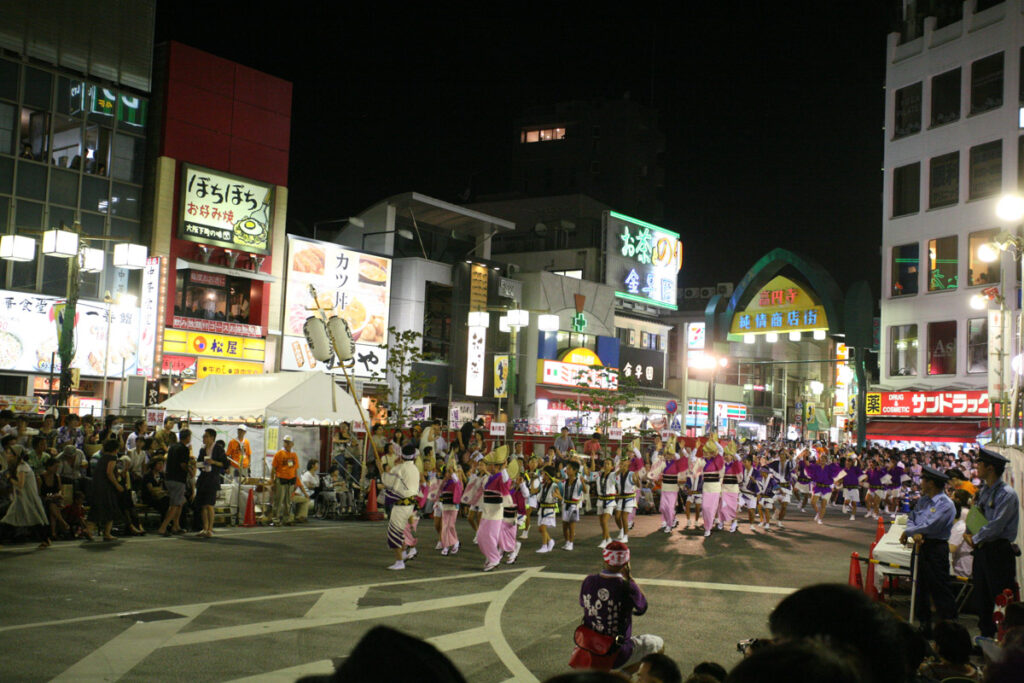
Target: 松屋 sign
{"x": 928, "y": 404}
{"x": 780, "y": 306}
{"x": 643, "y": 260}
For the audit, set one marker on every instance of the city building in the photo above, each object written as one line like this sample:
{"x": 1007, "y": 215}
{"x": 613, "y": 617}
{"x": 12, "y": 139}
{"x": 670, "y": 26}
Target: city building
{"x": 953, "y": 121}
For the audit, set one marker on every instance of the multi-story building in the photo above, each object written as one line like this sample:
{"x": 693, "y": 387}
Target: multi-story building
{"x": 953, "y": 122}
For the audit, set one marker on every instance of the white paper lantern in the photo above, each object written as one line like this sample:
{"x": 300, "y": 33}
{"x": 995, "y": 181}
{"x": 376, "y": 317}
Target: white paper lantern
{"x": 17, "y": 248}
{"x": 60, "y": 243}
{"x": 92, "y": 260}
{"x": 518, "y": 318}
{"x": 479, "y": 319}
{"x": 316, "y": 337}
{"x": 547, "y": 323}
{"x": 130, "y": 256}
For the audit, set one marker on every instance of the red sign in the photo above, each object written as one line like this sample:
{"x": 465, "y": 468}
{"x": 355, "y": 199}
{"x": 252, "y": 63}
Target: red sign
{"x": 777, "y": 297}
{"x": 179, "y": 365}
{"x": 928, "y": 404}
{"x": 212, "y": 279}
{"x": 217, "y": 327}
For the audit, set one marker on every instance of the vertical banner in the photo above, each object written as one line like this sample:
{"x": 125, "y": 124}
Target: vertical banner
{"x": 999, "y": 338}
{"x": 501, "y": 376}
{"x": 475, "y": 361}
{"x": 149, "y": 315}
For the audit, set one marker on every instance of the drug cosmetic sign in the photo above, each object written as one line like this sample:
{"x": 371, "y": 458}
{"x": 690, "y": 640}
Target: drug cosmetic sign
{"x": 643, "y": 260}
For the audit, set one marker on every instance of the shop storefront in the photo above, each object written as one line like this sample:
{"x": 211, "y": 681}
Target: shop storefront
{"x": 941, "y": 418}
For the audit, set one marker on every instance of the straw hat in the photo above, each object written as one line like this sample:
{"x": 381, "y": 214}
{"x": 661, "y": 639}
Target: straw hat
{"x": 670, "y": 445}
{"x": 497, "y": 457}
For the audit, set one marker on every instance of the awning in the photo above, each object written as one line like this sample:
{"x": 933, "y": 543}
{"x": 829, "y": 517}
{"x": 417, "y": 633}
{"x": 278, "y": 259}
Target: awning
{"x": 182, "y": 264}
{"x": 921, "y": 430}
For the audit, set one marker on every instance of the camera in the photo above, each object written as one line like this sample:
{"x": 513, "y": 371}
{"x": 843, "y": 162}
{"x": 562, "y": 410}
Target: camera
{"x": 748, "y": 645}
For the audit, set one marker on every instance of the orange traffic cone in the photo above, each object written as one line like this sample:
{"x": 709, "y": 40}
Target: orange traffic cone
{"x": 879, "y": 532}
{"x": 372, "y": 514}
{"x": 869, "y": 579}
{"x": 855, "y": 578}
{"x": 250, "y": 511}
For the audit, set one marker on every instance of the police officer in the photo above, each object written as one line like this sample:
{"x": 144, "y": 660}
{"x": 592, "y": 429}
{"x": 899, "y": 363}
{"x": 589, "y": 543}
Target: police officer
{"x": 993, "y": 543}
{"x": 929, "y": 526}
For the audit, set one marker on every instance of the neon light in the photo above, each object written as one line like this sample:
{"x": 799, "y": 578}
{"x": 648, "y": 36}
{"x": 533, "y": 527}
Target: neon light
{"x": 645, "y": 300}
{"x": 623, "y": 217}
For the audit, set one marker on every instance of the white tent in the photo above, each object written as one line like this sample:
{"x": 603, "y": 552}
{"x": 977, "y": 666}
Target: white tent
{"x": 288, "y": 397}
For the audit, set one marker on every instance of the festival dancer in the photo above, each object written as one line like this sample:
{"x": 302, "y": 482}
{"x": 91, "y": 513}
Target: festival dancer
{"x": 532, "y": 476}
{"x": 628, "y": 485}
{"x": 749, "y": 489}
{"x": 675, "y": 468}
{"x": 851, "y": 487}
{"x": 520, "y": 493}
{"x": 821, "y": 488}
{"x": 572, "y": 493}
{"x": 802, "y": 487}
{"x": 636, "y": 467}
{"x": 547, "y": 506}
{"x": 782, "y": 465}
{"x": 606, "y": 485}
{"x": 694, "y": 485}
{"x": 449, "y": 496}
{"x": 493, "y": 539}
{"x": 766, "y": 492}
{"x": 873, "y": 497}
{"x": 472, "y": 495}
{"x": 403, "y": 481}
{"x": 730, "y": 488}
{"x": 714, "y": 464}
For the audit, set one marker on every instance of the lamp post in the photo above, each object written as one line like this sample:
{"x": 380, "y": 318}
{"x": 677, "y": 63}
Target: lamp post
{"x": 709, "y": 361}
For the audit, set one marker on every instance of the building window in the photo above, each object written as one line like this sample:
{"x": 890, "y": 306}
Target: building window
{"x": 979, "y": 272}
{"x": 987, "y": 83}
{"x": 942, "y": 264}
{"x": 977, "y": 345}
{"x": 575, "y": 274}
{"x": 944, "y": 180}
{"x": 7, "y": 128}
{"x": 906, "y": 189}
{"x": 908, "y": 110}
{"x": 8, "y": 80}
{"x": 946, "y": 97}
{"x": 1020, "y": 163}
{"x": 903, "y": 351}
{"x": 905, "y": 262}
{"x": 542, "y": 134}
{"x": 942, "y": 348}
{"x": 986, "y": 172}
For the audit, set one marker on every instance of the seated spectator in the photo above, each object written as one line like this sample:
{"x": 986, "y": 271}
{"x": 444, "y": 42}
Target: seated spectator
{"x": 74, "y": 515}
{"x": 657, "y": 668}
{"x": 872, "y": 633}
{"x": 51, "y": 491}
{"x": 154, "y": 489}
{"x": 801, "y": 661}
{"x": 311, "y": 480}
{"x": 711, "y": 669}
{"x": 342, "y": 491}
{"x": 953, "y": 646}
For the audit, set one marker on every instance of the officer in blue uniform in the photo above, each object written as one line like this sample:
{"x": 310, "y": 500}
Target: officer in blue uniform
{"x": 929, "y": 526}
{"x": 993, "y": 543}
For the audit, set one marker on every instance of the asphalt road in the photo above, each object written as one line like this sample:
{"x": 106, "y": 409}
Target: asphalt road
{"x": 271, "y": 604}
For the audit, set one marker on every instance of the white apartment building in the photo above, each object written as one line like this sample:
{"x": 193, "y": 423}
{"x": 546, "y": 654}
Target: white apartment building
{"x": 954, "y": 127}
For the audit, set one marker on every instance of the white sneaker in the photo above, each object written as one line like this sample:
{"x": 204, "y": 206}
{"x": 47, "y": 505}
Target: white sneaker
{"x": 818, "y": 520}
{"x": 444, "y": 551}
{"x": 523, "y": 536}
{"x": 546, "y": 548}
{"x": 567, "y": 546}
{"x": 667, "y": 530}
{"x": 515, "y": 553}
{"x": 853, "y": 517}
{"x": 719, "y": 525}
{"x": 707, "y": 532}
{"x": 455, "y": 549}
{"x": 868, "y": 514}
{"x": 490, "y": 565}
{"x": 624, "y": 539}
{"x": 397, "y": 565}
{"x": 780, "y": 524}
{"x": 764, "y": 525}
{"x": 622, "y": 535}
{"x": 438, "y": 546}
{"x": 409, "y": 554}
{"x": 475, "y": 542}
{"x": 604, "y": 543}
{"x": 733, "y": 526}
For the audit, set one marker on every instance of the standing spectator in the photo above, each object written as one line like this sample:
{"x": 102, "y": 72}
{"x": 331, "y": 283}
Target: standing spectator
{"x": 285, "y": 468}
{"x": 138, "y": 432}
{"x": 164, "y": 437}
{"x": 213, "y": 460}
{"x": 26, "y": 509}
{"x": 240, "y": 452}
{"x": 154, "y": 491}
{"x": 71, "y": 432}
{"x": 175, "y": 478}
{"x": 106, "y": 509}
{"x": 563, "y": 444}
{"x": 125, "y": 498}
{"x": 592, "y": 447}
{"x": 960, "y": 557}
{"x": 993, "y": 543}
{"x": 51, "y": 493}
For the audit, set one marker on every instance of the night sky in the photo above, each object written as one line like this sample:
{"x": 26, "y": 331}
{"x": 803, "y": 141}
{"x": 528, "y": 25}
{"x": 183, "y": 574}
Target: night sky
{"x": 773, "y": 112}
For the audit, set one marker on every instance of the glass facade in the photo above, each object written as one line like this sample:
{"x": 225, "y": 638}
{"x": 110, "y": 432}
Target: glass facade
{"x": 69, "y": 149}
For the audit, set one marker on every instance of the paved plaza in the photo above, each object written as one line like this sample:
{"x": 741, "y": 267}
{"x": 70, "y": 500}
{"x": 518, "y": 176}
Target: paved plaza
{"x": 272, "y": 604}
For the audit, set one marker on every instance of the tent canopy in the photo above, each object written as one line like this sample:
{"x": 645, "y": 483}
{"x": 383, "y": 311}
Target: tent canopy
{"x": 297, "y": 397}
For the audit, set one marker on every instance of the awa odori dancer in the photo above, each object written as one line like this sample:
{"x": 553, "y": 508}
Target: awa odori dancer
{"x": 628, "y": 486}
{"x": 714, "y": 464}
{"x": 572, "y": 493}
{"x": 730, "y": 488}
{"x": 694, "y": 486}
{"x": 636, "y": 468}
{"x": 449, "y": 495}
{"x": 548, "y": 497}
{"x": 493, "y": 538}
{"x": 675, "y": 468}
{"x": 402, "y": 480}
{"x": 606, "y": 483}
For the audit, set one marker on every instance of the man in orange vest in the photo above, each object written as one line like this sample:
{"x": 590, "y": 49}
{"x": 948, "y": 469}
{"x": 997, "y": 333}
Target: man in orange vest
{"x": 239, "y": 452}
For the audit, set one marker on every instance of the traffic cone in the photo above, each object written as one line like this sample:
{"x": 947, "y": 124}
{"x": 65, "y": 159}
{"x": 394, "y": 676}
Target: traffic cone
{"x": 879, "y": 532}
{"x": 855, "y": 578}
{"x": 372, "y": 514}
{"x": 250, "y": 511}
{"x": 869, "y": 579}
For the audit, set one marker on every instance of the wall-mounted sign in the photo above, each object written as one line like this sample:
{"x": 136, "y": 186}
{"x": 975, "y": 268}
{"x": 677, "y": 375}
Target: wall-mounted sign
{"x": 695, "y": 335}
{"x": 580, "y": 376}
{"x": 459, "y": 412}
{"x": 28, "y": 335}
{"x": 581, "y": 356}
{"x": 643, "y": 260}
{"x": 181, "y": 366}
{"x": 214, "y": 345}
{"x": 928, "y": 404}
{"x": 723, "y": 410}
{"x": 780, "y": 306}
{"x": 216, "y": 326}
{"x": 129, "y": 109}
{"x": 475, "y": 352}
{"x": 349, "y": 284}
{"x": 501, "y": 376}
{"x": 615, "y": 433}
{"x": 150, "y": 318}
{"x": 497, "y": 428}
{"x": 225, "y": 210}
{"x": 579, "y": 322}
{"x": 644, "y": 366}
{"x": 216, "y": 366}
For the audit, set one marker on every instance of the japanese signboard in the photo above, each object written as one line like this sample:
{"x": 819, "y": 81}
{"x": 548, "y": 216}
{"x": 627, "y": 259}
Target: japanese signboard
{"x": 459, "y": 412}
{"x": 349, "y": 284}
{"x": 644, "y": 366}
{"x": 695, "y": 336}
{"x": 698, "y": 407}
{"x": 214, "y": 345}
{"x": 973, "y": 404}
{"x": 225, "y": 210}
{"x": 1000, "y": 372}
{"x": 643, "y": 260}
{"x": 28, "y": 335}
{"x": 216, "y": 366}
{"x": 571, "y": 375}
{"x": 780, "y": 306}
{"x": 216, "y": 326}
{"x": 475, "y": 352}
{"x": 498, "y": 428}
{"x": 501, "y": 376}
{"x": 149, "y": 317}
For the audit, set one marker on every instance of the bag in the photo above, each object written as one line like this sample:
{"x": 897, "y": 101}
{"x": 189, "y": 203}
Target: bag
{"x": 594, "y": 650}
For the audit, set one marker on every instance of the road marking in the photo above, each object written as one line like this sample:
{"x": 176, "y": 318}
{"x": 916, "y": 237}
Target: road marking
{"x": 697, "y": 585}
{"x": 337, "y": 601}
{"x": 492, "y": 623}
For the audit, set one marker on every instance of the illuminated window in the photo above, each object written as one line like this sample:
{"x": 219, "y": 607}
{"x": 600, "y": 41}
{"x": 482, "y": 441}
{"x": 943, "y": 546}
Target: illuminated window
{"x": 942, "y": 348}
{"x": 979, "y": 272}
{"x": 942, "y": 264}
{"x": 905, "y": 262}
{"x": 977, "y": 345}
{"x": 542, "y": 134}
{"x": 903, "y": 351}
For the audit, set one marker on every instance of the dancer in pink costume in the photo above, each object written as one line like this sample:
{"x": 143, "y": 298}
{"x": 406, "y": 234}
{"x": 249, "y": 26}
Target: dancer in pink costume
{"x": 496, "y": 497}
{"x": 730, "y": 487}
{"x": 675, "y": 468}
{"x": 636, "y": 466}
{"x": 714, "y": 464}
{"x": 449, "y": 495}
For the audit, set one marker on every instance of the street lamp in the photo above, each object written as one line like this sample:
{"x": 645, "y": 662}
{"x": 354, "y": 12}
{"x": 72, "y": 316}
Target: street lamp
{"x": 709, "y": 361}
{"x": 515, "y": 319}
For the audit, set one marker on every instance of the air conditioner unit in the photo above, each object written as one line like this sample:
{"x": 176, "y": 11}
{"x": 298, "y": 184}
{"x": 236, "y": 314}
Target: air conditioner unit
{"x": 725, "y": 288}
{"x": 512, "y": 268}
{"x": 691, "y": 293}
{"x": 707, "y": 292}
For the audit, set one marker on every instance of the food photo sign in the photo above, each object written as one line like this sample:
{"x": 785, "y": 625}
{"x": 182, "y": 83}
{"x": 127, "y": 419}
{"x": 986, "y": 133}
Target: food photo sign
{"x": 349, "y": 284}
{"x": 28, "y": 335}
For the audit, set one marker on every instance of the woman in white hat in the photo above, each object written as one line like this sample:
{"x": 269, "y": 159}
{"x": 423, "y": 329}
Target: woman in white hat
{"x": 496, "y": 497}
